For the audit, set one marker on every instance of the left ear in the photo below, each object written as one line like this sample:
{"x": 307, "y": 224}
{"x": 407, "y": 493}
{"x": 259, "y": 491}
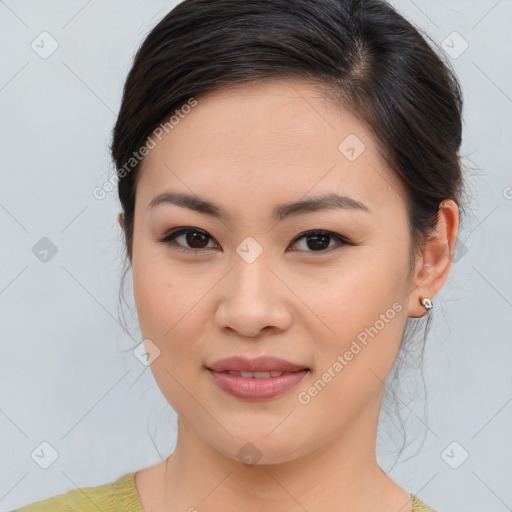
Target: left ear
{"x": 433, "y": 266}
{"x": 120, "y": 220}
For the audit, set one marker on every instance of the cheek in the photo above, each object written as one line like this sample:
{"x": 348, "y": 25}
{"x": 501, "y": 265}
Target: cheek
{"x": 172, "y": 306}
{"x": 161, "y": 295}
{"x": 168, "y": 307}
{"x": 150, "y": 295}
{"x": 363, "y": 314}
{"x": 350, "y": 297}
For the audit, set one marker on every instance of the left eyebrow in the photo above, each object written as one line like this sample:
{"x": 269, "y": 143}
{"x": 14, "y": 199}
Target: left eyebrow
{"x": 280, "y": 212}
{"x": 326, "y": 202}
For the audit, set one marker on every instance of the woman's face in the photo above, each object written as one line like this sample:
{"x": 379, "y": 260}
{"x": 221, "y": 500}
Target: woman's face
{"x": 245, "y": 281}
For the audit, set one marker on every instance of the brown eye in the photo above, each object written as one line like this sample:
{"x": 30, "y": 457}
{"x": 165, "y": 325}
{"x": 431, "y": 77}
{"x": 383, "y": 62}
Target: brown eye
{"x": 196, "y": 240}
{"x": 319, "y": 240}
{"x": 192, "y": 239}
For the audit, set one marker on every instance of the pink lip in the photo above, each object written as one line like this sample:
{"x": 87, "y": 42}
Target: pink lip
{"x": 260, "y": 364}
{"x": 252, "y": 388}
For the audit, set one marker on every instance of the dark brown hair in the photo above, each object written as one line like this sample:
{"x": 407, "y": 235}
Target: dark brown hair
{"x": 369, "y": 58}
{"x": 362, "y": 53}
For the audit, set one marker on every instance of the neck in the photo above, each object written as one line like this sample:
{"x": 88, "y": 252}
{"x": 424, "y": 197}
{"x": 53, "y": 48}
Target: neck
{"x": 342, "y": 474}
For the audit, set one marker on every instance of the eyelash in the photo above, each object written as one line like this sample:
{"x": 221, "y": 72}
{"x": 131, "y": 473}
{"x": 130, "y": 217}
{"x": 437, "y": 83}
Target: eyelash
{"x": 169, "y": 239}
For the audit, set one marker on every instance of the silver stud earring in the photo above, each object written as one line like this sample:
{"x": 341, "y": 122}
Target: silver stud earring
{"x": 427, "y": 303}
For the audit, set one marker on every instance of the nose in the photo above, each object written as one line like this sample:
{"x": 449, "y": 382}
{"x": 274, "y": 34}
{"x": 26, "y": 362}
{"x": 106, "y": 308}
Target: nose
{"x": 254, "y": 299}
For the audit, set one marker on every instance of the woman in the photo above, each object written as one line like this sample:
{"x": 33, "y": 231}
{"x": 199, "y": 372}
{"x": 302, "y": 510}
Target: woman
{"x": 290, "y": 184}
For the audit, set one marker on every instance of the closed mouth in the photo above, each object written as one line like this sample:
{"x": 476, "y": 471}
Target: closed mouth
{"x": 259, "y": 375}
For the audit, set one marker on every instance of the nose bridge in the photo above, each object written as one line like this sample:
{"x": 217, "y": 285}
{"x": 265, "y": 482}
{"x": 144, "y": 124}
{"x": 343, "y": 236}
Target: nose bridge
{"x": 250, "y": 274}
{"x": 252, "y": 300}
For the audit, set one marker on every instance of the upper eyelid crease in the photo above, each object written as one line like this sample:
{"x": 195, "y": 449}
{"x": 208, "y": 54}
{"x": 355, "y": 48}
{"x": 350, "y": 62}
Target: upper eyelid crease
{"x": 280, "y": 212}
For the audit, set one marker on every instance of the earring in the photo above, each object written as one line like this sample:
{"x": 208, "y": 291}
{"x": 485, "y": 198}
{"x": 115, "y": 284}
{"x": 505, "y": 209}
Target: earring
{"x": 427, "y": 303}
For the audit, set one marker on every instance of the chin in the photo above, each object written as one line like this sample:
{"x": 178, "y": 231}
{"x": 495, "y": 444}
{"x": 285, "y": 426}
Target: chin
{"x": 260, "y": 449}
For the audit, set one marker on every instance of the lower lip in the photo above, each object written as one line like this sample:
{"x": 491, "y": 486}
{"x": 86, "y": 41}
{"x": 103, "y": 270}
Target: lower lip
{"x": 256, "y": 389}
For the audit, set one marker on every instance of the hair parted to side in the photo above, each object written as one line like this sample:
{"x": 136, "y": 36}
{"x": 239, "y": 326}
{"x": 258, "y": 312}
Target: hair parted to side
{"x": 363, "y": 54}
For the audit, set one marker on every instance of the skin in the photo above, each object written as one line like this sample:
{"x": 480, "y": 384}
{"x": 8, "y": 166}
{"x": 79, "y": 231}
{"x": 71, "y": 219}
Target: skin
{"x": 249, "y": 149}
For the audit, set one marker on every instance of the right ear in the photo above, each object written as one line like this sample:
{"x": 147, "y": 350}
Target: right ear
{"x": 120, "y": 220}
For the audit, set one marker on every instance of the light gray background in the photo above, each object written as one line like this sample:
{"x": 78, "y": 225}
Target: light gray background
{"x": 65, "y": 379}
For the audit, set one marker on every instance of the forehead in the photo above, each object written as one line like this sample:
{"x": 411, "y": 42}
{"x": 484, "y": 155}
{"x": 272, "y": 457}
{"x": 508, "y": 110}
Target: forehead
{"x": 269, "y": 142}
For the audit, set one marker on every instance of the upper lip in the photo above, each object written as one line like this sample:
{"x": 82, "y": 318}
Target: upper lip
{"x": 259, "y": 364}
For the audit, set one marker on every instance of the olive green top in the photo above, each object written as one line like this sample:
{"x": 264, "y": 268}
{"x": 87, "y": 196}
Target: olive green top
{"x": 119, "y": 496}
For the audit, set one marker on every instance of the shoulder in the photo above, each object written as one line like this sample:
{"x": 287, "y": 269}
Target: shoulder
{"x": 120, "y": 495}
{"x": 419, "y": 506}
{"x": 55, "y": 504}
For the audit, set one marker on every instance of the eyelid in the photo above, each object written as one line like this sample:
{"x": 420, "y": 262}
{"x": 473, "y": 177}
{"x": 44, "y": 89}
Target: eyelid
{"x": 171, "y": 235}
{"x": 326, "y": 232}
